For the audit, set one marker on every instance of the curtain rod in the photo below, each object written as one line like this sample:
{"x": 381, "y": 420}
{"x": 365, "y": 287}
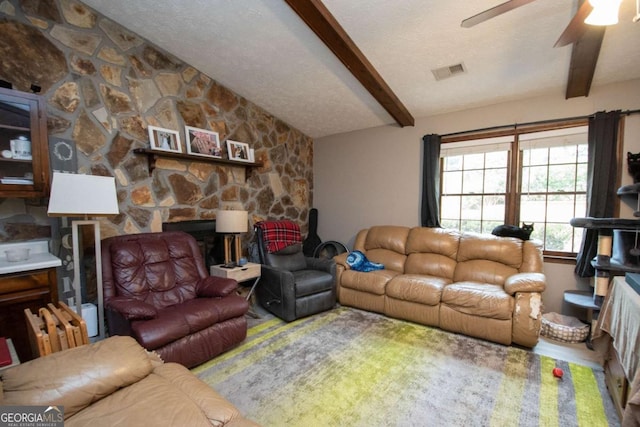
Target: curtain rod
{"x": 541, "y": 122}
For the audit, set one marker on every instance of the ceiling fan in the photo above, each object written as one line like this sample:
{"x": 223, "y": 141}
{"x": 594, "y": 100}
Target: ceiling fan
{"x": 586, "y": 40}
{"x": 571, "y": 34}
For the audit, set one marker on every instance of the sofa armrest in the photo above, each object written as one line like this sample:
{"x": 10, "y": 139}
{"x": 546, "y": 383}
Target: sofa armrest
{"x": 132, "y": 309}
{"x": 341, "y": 260}
{"x": 525, "y": 282}
{"x": 212, "y": 286}
{"x": 77, "y": 377}
{"x": 321, "y": 264}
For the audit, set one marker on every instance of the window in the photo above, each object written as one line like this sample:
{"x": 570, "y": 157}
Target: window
{"x": 535, "y": 176}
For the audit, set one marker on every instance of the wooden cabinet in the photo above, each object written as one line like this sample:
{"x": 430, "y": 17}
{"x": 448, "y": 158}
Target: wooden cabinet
{"x": 29, "y": 289}
{"x": 24, "y": 154}
{"x": 620, "y": 320}
{"x": 616, "y": 381}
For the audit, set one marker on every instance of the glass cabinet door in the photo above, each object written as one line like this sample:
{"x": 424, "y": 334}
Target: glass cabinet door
{"x": 22, "y": 169}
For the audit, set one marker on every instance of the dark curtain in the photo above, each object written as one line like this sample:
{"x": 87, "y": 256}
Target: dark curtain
{"x": 601, "y": 182}
{"x": 430, "y": 210}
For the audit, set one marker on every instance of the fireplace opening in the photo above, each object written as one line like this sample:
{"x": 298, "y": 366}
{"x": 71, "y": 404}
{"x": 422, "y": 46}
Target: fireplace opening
{"x": 204, "y": 231}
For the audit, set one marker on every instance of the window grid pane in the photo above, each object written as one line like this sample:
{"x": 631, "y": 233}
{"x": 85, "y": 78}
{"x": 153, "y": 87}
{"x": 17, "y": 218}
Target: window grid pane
{"x": 474, "y": 191}
{"x": 552, "y": 190}
{"x": 553, "y": 193}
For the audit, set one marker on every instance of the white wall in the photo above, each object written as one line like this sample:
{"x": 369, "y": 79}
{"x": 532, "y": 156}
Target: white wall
{"x": 372, "y": 177}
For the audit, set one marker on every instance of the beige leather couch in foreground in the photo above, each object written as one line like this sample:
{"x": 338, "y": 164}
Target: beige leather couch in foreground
{"x": 479, "y": 285}
{"x": 115, "y": 382}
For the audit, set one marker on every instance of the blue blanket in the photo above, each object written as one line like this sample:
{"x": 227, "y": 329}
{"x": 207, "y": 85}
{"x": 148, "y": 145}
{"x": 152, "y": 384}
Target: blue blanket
{"x": 358, "y": 262}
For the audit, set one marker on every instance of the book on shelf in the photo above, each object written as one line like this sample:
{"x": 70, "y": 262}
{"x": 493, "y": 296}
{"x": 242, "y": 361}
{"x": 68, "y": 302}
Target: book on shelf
{"x": 5, "y": 354}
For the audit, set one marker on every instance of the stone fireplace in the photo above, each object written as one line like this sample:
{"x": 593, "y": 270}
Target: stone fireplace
{"x": 104, "y": 85}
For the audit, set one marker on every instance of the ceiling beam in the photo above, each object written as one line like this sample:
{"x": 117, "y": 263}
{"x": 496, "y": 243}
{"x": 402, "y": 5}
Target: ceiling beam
{"x": 322, "y": 22}
{"x": 584, "y": 57}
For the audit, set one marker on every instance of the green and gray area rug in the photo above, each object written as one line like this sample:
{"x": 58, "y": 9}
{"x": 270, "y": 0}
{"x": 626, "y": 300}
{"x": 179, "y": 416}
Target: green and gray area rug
{"x": 349, "y": 367}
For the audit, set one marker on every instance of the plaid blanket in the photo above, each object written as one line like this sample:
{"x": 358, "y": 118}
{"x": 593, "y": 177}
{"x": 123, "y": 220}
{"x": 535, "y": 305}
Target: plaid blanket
{"x": 277, "y": 235}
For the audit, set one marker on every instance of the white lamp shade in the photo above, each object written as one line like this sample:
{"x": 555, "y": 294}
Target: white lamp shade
{"x": 232, "y": 221}
{"x": 80, "y": 195}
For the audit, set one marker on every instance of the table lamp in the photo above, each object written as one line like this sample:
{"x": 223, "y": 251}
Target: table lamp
{"x": 85, "y": 196}
{"x": 231, "y": 224}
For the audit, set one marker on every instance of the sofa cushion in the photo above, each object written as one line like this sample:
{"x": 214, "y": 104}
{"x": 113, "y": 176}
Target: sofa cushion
{"x": 483, "y": 271}
{"x": 169, "y": 395}
{"x": 417, "y": 288}
{"x": 373, "y": 282}
{"x": 385, "y": 245}
{"x": 507, "y": 251}
{"x": 97, "y": 371}
{"x": 312, "y": 281}
{"x": 290, "y": 259}
{"x": 175, "y": 322}
{"x": 160, "y": 272}
{"x": 479, "y": 299}
{"x": 441, "y": 241}
{"x": 390, "y": 237}
{"x": 430, "y": 264}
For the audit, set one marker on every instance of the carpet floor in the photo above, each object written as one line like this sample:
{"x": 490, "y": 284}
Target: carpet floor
{"x": 349, "y": 367}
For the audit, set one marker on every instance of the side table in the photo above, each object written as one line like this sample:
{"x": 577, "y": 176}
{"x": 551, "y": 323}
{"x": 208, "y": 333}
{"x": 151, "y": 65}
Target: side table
{"x": 584, "y": 300}
{"x": 240, "y": 274}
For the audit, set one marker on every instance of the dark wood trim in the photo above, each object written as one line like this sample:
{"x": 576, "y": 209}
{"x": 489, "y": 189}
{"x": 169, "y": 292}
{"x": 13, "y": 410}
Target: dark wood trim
{"x": 559, "y": 258}
{"x": 515, "y": 128}
{"x": 322, "y": 22}
{"x": 515, "y": 177}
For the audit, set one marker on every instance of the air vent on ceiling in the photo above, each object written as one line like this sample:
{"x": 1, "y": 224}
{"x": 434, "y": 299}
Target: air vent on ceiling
{"x": 448, "y": 71}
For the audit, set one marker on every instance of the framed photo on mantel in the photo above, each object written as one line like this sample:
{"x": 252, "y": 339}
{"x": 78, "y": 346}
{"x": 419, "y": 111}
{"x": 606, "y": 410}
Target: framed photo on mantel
{"x": 239, "y": 151}
{"x": 202, "y": 142}
{"x": 162, "y": 139}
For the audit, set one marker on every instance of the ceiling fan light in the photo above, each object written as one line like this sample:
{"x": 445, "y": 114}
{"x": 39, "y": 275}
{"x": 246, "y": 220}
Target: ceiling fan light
{"x": 605, "y": 12}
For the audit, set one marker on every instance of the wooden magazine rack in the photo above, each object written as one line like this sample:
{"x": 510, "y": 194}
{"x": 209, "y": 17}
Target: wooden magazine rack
{"x": 55, "y": 329}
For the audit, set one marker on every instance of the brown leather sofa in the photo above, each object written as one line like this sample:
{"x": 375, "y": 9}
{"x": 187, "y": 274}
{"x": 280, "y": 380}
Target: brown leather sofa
{"x": 115, "y": 382}
{"x": 479, "y": 285}
{"x": 157, "y": 290}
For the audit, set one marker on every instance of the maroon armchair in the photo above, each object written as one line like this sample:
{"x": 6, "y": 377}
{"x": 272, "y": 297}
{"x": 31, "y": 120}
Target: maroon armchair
{"x": 157, "y": 290}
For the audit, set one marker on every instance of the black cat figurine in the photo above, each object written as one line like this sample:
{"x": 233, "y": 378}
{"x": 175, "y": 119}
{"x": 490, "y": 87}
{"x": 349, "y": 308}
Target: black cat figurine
{"x": 522, "y": 233}
{"x": 633, "y": 166}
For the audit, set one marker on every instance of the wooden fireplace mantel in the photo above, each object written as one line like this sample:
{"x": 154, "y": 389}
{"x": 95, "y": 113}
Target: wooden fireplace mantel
{"x": 153, "y": 155}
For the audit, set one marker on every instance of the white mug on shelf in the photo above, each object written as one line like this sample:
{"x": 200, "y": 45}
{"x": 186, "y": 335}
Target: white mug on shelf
{"x": 21, "y": 148}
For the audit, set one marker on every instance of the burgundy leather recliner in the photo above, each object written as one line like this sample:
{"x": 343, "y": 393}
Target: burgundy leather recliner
{"x": 157, "y": 290}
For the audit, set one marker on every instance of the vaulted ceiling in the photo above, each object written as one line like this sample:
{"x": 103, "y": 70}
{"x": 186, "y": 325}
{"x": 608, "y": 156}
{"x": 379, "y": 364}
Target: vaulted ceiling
{"x": 265, "y": 51}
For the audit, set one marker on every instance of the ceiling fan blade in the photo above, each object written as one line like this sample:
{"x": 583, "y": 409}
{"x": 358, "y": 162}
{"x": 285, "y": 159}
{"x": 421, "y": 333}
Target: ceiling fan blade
{"x": 576, "y": 27}
{"x": 493, "y": 12}
{"x": 584, "y": 57}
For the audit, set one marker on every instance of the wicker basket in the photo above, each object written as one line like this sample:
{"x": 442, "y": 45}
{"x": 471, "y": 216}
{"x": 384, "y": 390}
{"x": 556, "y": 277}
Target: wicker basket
{"x": 564, "y": 328}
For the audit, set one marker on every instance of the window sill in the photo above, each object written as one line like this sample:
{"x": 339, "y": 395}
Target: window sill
{"x": 560, "y": 259}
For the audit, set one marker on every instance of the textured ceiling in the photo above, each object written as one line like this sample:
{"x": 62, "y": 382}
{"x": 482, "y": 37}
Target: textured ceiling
{"x": 263, "y": 51}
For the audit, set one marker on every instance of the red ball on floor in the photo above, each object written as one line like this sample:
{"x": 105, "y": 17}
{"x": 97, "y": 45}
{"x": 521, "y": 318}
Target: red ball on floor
{"x": 557, "y": 372}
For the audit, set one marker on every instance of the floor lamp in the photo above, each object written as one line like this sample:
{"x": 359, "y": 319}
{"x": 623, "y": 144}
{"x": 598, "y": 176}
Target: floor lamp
{"x": 75, "y": 195}
{"x": 231, "y": 224}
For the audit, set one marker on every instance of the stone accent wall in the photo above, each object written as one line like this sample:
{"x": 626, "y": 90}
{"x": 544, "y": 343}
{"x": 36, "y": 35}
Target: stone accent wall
{"x": 104, "y": 85}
